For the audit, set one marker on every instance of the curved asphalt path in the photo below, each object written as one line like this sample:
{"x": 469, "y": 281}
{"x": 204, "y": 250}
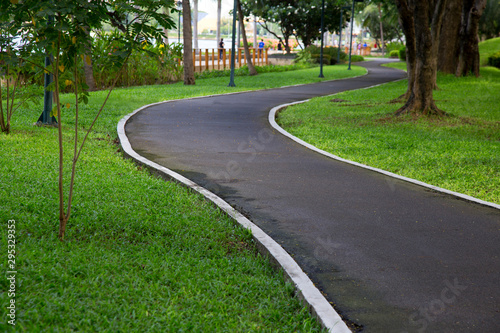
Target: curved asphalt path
{"x": 390, "y": 255}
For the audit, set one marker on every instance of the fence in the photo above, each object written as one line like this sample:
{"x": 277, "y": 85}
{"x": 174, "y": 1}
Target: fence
{"x": 212, "y": 59}
{"x": 364, "y": 51}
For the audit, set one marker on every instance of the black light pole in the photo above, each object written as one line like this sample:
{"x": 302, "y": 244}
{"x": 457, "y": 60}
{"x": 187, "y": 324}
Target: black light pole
{"x": 45, "y": 118}
{"x": 233, "y": 47}
{"x": 340, "y": 32}
{"x": 352, "y": 26}
{"x": 322, "y": 37}
{"x": 179, "y": 3}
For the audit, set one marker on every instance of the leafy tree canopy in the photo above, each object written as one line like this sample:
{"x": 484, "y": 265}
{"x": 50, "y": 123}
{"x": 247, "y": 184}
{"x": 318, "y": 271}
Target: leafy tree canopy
{"x": 301, "y": 18}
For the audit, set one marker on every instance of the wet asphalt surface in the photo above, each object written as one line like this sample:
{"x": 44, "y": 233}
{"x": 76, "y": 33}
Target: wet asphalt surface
{"x": 391, "y": 256}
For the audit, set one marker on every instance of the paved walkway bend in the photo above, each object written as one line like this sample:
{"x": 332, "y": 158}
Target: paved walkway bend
{"x": 392, "y": 256}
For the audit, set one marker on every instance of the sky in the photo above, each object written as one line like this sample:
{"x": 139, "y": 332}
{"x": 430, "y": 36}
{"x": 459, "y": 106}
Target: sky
{"x": 210, "y": 7}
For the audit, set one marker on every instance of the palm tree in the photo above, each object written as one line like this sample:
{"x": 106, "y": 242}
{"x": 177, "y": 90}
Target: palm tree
{"x": 195, "y": 23}
{"x": 219, "y": 12}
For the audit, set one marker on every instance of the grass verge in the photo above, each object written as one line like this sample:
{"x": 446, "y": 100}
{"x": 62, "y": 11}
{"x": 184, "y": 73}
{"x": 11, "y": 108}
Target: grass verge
{"x": 487, "y": 48}
{"x": 460, "y": 153}
{"x": 141, "y": 254}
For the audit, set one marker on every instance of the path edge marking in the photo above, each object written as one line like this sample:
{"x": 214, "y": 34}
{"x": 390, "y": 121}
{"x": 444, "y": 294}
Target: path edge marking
{"x": 307, "y": 291}
{"x": 272, "y": 120}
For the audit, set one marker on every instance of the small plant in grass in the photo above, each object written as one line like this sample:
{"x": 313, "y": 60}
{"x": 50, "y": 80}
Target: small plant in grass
{"x": 61, "y": 29}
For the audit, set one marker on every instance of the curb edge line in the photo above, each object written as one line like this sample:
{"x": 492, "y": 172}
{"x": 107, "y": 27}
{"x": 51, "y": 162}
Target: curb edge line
{"x": 317, "y": 303}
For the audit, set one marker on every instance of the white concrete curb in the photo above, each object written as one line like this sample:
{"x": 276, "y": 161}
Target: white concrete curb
{"x": 272, "y": 121}
{"x": 318, "y": 304}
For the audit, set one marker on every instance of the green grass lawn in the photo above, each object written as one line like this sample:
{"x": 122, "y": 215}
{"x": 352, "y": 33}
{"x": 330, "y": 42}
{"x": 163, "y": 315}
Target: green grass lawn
{"x": 460, "y": 153}
{"x": 141, "y": 254}
{"x": 487, "y": 48}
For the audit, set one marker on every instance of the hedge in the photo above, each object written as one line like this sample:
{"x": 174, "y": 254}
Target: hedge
{"x": 494, "y": 60}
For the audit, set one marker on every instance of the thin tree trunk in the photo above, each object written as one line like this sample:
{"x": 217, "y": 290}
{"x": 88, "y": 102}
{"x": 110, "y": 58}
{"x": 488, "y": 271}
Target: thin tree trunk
{"x": 219, "y": 12}
{"x": 381, "y": 28}
{"x": 251, "y": 67}
{"x": 188, "y": 49}
{"x": 195, "y": 23}
{"x": 165, "y": 31}
{"x": 88, "y": 68}
{"x": 254, "y": 31}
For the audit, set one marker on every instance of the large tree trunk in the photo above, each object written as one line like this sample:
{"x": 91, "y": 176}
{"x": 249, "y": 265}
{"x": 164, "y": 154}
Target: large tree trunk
{"x": 449, "y": 43}
{"x": 436, "y": 24}
{"x": 468, "y": 61}
{"x": 188, "y": 48}
{"x": 408, "y": 24}
{"x": 251, "y": 67}
{"x": 422, "y": 82}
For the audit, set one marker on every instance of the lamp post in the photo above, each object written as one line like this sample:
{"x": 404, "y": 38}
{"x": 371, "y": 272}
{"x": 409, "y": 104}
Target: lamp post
{"x": 322, "y": 37}
{"x": 179, "y": 4}
{"x": 46, "y": 118}
{"x": 352, "y": 26}
{"x": 340, "y": 32}
{"x": 233, "y": 45}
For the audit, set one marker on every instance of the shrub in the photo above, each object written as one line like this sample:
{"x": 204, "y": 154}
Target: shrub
{"x": 494, "y": 60}
{"x": 312, "y": 54}
{"x": 356, "y": 58}
{"x": 393, "y": 46}
{"x": 327, "y": 59}
{"x": 402, "y": 53}
{"x": 394, "y": 54}
{"x": 155, "y": 64}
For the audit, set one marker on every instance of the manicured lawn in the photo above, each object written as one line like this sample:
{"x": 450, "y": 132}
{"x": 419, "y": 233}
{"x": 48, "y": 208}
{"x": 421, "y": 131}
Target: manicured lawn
{"x": 460, "y": 153}
{"x": 141, "y": 254}
{"x": 487, "y": 48}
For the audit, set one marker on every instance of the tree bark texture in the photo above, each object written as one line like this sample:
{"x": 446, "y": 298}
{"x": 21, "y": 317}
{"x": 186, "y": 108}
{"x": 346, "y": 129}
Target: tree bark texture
{"x": 88, "y": 70}
{"x": 436, "y": 24}
{"x": 421, "y": 24}
{"x": 188, "y": 48}
{"x": 251, "y": 67}
{"x": 408, "y": 24}
{"x": 468, "y": 61}
{"x": 449, "y": 43}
